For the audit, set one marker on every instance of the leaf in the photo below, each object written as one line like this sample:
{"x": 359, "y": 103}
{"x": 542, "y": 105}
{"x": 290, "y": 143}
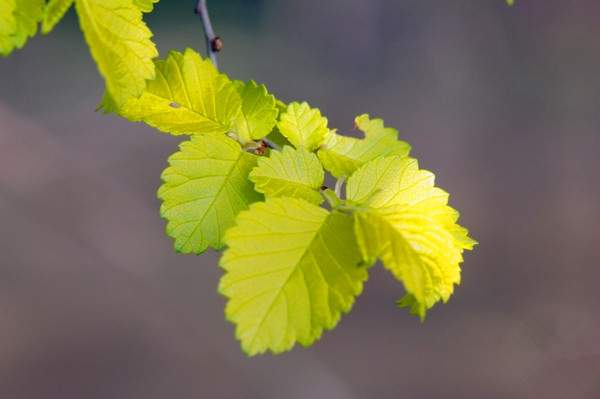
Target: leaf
{"x": 8, "y": 25}
{"x": 303, "y": 126}
{"x": 28, "y": 14}
{"x": 54, "y": 11}
{"x": 145, "y": 5}
{"x": 392, "y": 180}
{"x": 120, "y": 44}
{"x": 343, "y": 155}
{"x": 259, "y": 113}
{"x": 292, "y": 269}
{"x": 18, "y": 22}
{"x": 188, "y": 96}
{"x": 420, "y": 252}
{"x": 205, "y": 187}
{"x": 404, "y": 220}
{"x": 294, "y": 173}
{"x": 414, "y": 307}
{"x": 510, "y": 2}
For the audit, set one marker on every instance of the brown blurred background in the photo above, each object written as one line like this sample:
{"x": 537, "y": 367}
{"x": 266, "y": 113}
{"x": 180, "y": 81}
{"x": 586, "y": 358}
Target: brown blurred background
{"x": 502, "y": 103}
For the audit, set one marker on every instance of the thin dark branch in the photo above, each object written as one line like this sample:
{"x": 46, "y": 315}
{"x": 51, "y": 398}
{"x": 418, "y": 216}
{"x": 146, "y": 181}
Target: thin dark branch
{"x": 214, "y": 44}
{"x": 271, "y": 144}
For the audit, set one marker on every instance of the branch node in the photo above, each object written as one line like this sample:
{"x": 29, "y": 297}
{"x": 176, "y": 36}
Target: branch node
{"x": 270, "y": 144}
{"x": 216, "y": 44}
{"x": 213, "y": 42}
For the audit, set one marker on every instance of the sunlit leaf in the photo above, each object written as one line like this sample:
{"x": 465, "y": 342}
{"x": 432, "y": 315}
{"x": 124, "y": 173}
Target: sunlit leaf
{"x": 259, "y": 113}
{"x": 119, "y": 41}
{"x": 54, "y": 11}
{"x": 292, "y": 172}
{"x": 404, "y": 220}
{"x": 292, "y": 269}
{"x": 303, "y": 126}
{"x": 188, "y": 96}
{"x": 342, "y": 155}
{"x": 205, "y": 187}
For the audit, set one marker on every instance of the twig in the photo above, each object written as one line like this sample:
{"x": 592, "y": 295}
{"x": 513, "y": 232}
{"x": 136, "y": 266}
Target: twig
{"x": 271, "y": 144}
{"x": 338, "y": 186}
{"x": 214, "y": 43}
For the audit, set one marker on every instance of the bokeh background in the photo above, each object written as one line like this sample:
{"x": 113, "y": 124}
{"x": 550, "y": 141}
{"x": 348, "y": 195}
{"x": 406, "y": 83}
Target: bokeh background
{"x": 502, "y": 103}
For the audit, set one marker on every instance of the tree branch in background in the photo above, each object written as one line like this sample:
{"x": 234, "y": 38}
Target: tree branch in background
{"x": 214, "y": 43}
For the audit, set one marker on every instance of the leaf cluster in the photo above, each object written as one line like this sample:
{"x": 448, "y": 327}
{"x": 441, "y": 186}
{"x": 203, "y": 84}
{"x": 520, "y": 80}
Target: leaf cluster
{"x": 295, "y": 253}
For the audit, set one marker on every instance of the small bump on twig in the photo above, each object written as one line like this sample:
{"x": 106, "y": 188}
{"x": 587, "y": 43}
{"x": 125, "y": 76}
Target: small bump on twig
{"x": 213, "y": 42}
{"x": 216, "y": 44}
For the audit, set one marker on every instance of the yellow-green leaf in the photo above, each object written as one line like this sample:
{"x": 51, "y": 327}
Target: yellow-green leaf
{"x": 53, "y": 13}
{"x": 294, "y": 173}
{"x": 8, "y": 25}
{"x": 404, "y": 220}
{"x": 292, "y": 269}
{"x": 303, "y": 126}
{"x": 28, "y": 14}
{"x": 419, "y": 251}
{"x": 343, "y": 155}
{"x": 145, "y": 5}
{"x": 205, "y": 187}
{"x": 392, "y": 180}
{"x": 259, "y": 113}
{"x": 188, "y": 96}
{"x": 119, "y": 41}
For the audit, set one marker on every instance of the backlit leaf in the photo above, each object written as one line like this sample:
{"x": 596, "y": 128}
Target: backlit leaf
{"x": 291, "y": 172}
{"x": 8, "y": 25}
{"x": 27, "y": 15}
{"x": 259, "y": 113}
{"x": 292, "y": 269}
{"x": 188, "y": 96}
{"x": 54, "y": 12}
{"x": 303, "y": 126}
{"x": 205, "y": 187}
{"x": 119, "y": 41}
{"x": 404, "y": 220}
{"x": 145, "y": 5}
{"x": 343, "y": 155}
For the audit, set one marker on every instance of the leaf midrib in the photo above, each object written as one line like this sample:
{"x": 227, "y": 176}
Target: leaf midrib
{"x": 214, "y": 200}
{"x": 287, "y": 280}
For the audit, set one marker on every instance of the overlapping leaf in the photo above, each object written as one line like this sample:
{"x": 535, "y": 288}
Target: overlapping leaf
{"x": 405, "y": 221}
{"x": 303, "y": 126}
{"x": 145, "y": 5}
{"x": 18, "y": 22}
{"x": 8, "y": 25}
{"x": 54, "y": 12}
{"x": 258, "y": 114}
{"x": 292, "y": 269}
{"x": 205, "y": 187}
{"x": 119, "y": 41}
{"x": 28, "y": 15}
{"x": 343, "y": 155}
{"x": 294, "y": 173}
{"x": 188, "y": 96}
